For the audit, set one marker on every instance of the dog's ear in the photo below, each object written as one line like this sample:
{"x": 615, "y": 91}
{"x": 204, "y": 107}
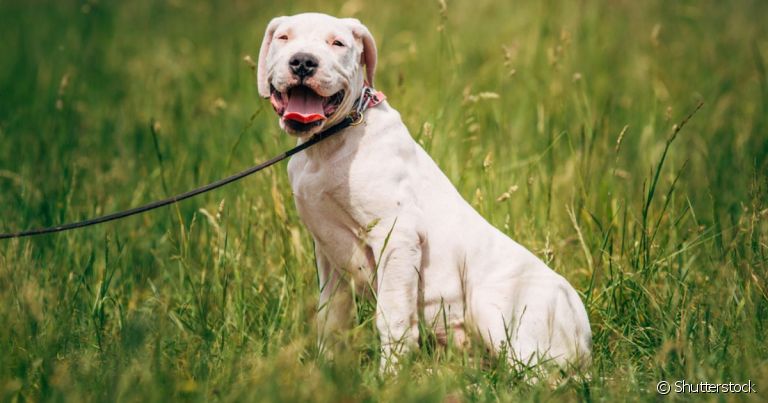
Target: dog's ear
{"x": 369, "y": 56}
{"x": 261, "y": 75}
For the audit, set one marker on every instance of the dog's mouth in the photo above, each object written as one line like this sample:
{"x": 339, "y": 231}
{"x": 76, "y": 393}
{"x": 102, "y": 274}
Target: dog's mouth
{"x": 302, "y": 108}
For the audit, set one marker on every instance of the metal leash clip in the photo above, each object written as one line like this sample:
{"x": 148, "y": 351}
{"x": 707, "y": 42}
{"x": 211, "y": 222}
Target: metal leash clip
{"x": 357, "y": 115}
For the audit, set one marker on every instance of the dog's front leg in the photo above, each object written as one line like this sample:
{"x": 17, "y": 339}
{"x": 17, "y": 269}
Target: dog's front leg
{"x": 335, "y": 304}
{"x": 398, "y": 261}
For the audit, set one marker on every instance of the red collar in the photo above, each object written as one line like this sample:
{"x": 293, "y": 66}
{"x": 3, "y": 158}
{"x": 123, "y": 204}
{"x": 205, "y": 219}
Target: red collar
{"x": 375, "y": 98}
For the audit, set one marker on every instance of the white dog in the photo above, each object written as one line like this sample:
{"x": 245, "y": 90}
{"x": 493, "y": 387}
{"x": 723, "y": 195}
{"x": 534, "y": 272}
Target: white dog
{"x": 383, "y": 216}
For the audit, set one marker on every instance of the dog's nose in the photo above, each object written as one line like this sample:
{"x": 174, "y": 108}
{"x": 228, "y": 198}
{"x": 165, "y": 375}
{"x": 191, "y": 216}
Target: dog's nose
{"x": 303, "y": 64}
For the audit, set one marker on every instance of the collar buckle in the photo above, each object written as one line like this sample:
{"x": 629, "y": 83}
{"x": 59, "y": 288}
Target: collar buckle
{"x": 368, "y": 98}
{"x": 357, "y": 118}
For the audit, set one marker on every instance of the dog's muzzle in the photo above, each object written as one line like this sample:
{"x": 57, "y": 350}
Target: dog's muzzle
{"x": 302, "y": 108}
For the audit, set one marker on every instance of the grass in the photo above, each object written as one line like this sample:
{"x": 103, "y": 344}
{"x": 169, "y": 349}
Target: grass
{"x": 556, "y": 119}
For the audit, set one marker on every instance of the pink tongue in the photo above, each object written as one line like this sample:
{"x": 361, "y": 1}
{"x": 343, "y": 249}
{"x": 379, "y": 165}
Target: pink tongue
{"x": 304, "y": 106}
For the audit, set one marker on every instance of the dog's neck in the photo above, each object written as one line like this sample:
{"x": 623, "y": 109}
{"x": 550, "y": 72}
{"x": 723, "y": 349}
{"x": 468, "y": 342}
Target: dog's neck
{"x": 324, "y": 150}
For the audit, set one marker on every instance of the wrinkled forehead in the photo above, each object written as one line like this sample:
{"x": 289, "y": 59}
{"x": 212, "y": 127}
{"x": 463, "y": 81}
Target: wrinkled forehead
{"x": 314, "y": 26}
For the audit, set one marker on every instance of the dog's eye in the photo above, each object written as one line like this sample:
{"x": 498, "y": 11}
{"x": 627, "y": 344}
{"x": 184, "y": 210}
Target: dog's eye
{"x": 283, "y": 37}
{"x": 338, "y": 43}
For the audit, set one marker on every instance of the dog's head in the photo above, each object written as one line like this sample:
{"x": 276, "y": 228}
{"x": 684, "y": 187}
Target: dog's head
{"x": 313, "y": 67}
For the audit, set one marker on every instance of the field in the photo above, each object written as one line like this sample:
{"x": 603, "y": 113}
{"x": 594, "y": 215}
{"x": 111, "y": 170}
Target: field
{"x": 558, "y": 120}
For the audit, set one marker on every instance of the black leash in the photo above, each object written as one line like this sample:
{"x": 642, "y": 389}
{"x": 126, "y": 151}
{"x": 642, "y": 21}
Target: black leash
{"x": 353, "y": 119}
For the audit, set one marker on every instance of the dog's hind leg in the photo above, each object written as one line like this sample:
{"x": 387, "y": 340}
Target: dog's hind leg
{"x": 535, "y": 323}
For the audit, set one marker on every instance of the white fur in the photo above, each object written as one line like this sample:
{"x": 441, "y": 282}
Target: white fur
{"x": 384, "y": 217}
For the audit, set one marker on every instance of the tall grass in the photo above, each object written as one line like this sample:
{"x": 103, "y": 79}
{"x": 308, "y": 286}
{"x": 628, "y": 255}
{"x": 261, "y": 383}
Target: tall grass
{"x": 556, "y": 119}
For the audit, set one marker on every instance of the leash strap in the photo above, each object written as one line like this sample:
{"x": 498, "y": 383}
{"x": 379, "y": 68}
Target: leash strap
{"x": 354, "y": 118}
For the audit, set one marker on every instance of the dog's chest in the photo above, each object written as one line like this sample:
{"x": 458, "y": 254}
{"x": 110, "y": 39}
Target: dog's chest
{"x": 324, "y": 201}
{"x": 321, "y": 199}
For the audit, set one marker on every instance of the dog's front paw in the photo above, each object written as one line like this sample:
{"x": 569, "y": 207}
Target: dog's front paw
{"x": 390, "y": 361}
{"x": 392, "y": 352}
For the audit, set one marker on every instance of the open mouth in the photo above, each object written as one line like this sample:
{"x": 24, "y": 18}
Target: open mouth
{"x": 302, "y": 108}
